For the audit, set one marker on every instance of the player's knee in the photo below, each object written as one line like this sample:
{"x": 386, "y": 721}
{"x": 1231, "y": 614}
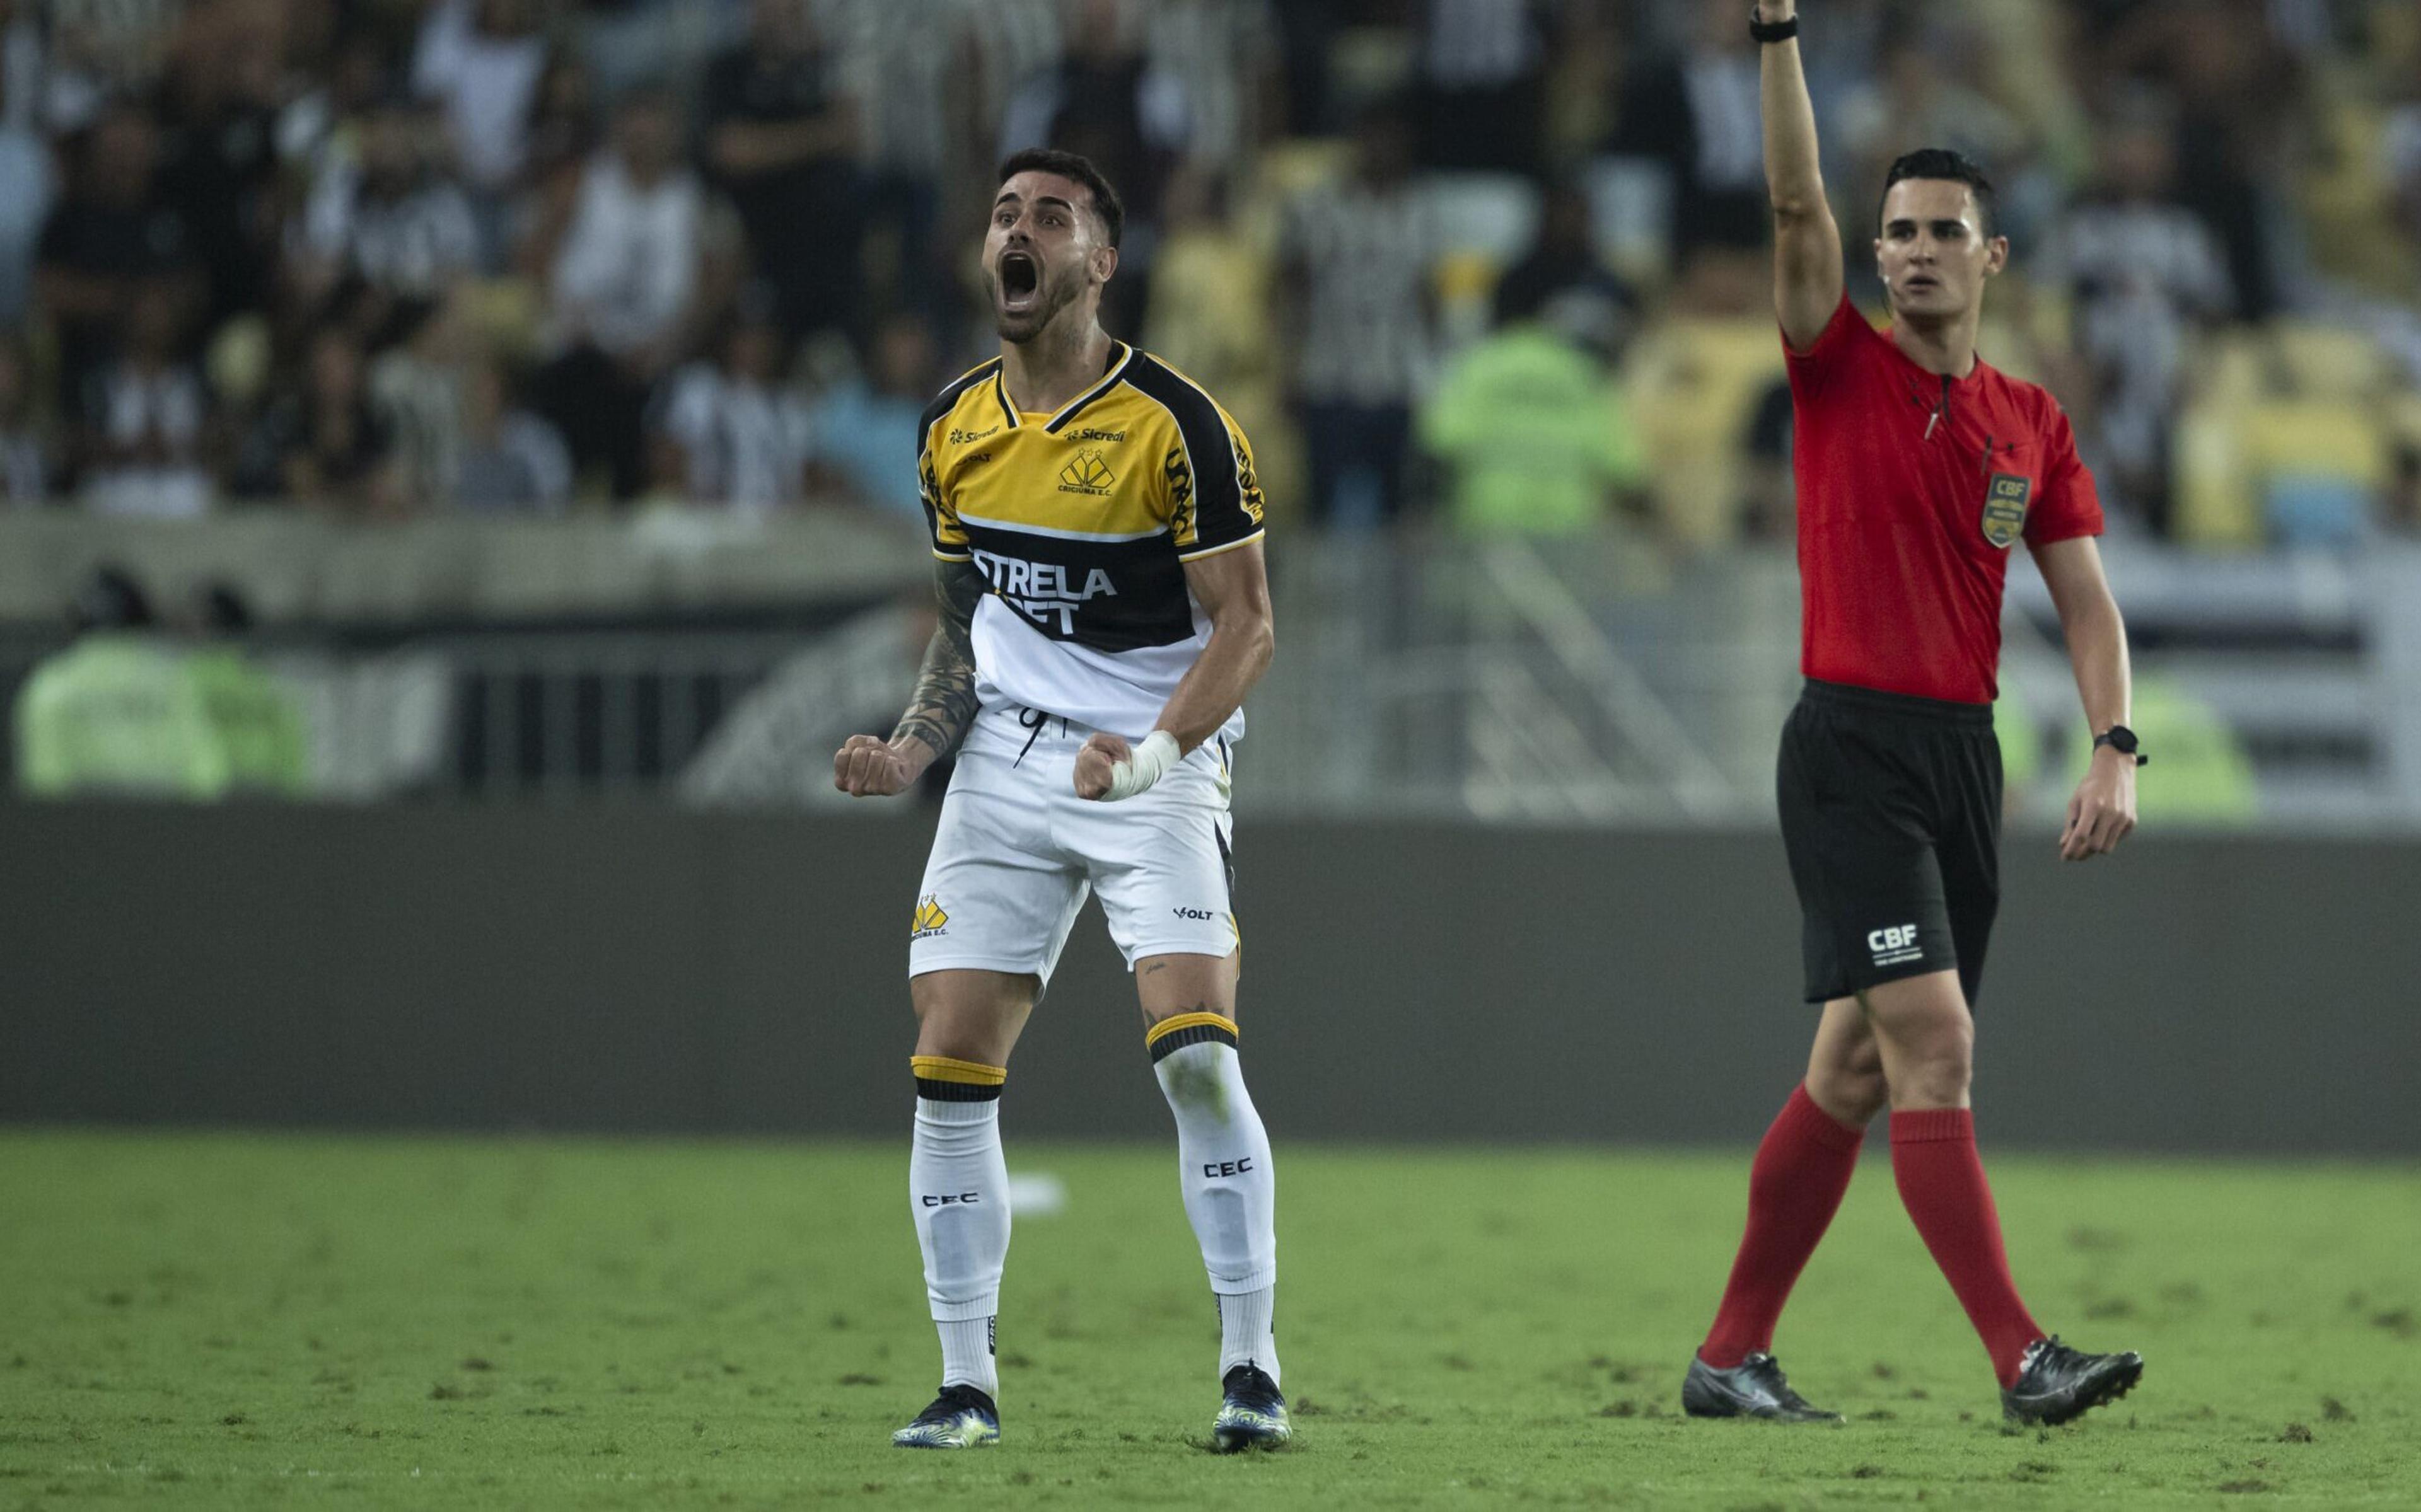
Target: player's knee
{"x": 984, "y": 1039}
{"x": 970, "y": 1015}
{"x": 1194, "y": 1057}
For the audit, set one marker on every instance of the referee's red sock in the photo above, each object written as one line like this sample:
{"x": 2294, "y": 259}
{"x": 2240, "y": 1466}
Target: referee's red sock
{"x": 1794, "y": 1188}
{"x": 1942, "y": 1183}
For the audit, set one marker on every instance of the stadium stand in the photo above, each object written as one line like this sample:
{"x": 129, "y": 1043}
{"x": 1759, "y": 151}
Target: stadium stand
{"x": 436, "y": 323}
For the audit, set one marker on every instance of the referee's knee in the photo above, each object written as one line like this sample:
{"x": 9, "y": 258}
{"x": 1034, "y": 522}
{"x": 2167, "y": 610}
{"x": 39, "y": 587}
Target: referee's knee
{"x": 1934, "y": 1065}
{"x": 1849, "y": 1094}
{"x": 1929, "y": 1044}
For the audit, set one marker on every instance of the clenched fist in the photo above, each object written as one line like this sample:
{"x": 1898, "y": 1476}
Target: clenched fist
{"x": 865, "y": 767}
{"x": 1095, "y": 761}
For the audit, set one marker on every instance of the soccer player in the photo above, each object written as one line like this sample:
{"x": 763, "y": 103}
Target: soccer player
{"x": 1919, "y": 467}
{"x": 1104, "y": 609}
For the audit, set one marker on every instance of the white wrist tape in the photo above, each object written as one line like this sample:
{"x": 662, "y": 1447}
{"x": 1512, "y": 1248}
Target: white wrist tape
{"x": 1148, "y": 765}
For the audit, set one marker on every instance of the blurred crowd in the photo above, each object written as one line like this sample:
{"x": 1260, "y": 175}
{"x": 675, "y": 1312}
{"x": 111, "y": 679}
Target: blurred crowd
{"x": 1496, "y": 263}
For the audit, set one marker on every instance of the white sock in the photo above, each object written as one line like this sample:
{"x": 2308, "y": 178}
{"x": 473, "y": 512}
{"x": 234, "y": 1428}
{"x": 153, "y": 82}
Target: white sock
{"x": 958, "y": 1190}
{"x": 1244, "y": 1336}
{"x": 1224, "y": 1171}
{"x": 967, "y": 1358}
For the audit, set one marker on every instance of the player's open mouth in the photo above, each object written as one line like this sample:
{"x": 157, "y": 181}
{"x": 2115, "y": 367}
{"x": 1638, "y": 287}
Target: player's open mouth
{"x": 1916, "y": 281}
{"x": 1020, "y": 278}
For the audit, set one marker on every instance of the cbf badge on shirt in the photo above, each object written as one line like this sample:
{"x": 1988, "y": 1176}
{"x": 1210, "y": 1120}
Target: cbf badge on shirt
{"x": 2005, "y": 508}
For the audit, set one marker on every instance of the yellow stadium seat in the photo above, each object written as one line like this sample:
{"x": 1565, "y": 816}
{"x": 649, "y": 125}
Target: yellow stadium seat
{"x": 1289, "y": 168}
{"x": 2317, "y": 362}
{"x": 2231, "y": 366}
{"x": 1693, "y": 384}
{"x": 2213, "y": 504}
{"x": 2345, "y": 197}
{"x": 2318, "y": 465}
{"x": 507, "y": 313}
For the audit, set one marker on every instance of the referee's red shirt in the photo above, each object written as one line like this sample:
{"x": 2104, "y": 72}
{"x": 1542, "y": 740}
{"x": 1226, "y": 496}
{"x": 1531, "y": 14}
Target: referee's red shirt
{"x": 1913, "y": 491}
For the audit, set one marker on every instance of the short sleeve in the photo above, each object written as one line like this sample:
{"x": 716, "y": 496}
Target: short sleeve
{"x": 1211, "y": 493}
{"x": 1833, "y": 345}
{"x": 1215, "y": 499}
{"x": 949, "y": 537}
{"x": 2070, "y": 504}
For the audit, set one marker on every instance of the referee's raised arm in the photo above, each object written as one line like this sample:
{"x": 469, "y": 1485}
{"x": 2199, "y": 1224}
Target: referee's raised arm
{"x": 1806, "y": 243}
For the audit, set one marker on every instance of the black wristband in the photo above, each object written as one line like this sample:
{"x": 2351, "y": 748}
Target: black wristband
{"x": 2121, "y": 740}
{"x": 1771, "y": 31}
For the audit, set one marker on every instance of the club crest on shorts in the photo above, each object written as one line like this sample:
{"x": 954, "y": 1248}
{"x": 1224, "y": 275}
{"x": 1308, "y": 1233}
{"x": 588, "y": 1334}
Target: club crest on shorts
{"x": 930, "y": 920}
{"x": 2005, "y": 508}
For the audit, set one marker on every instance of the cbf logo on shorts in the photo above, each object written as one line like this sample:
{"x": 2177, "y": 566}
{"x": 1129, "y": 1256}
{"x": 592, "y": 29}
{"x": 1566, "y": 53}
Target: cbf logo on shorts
{"x": 930, "y": 920}
{"x": 1895, "y": 944}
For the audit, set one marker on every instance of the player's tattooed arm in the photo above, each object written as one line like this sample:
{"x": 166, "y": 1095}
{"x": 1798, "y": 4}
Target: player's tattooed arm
{"x": 943, "y": 709}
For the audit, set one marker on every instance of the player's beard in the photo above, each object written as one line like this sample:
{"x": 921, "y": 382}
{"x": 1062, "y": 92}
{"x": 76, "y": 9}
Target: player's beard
{"x": 1057, "y": 290}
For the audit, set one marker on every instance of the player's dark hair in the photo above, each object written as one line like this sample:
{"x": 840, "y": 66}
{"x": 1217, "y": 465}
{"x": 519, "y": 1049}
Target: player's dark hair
{"x": 1942, "y": 163}
{"x": 1107, "y": 208}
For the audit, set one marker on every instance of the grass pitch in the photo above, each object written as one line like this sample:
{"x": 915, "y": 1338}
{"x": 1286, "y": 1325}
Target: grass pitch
{"x": 249, "y": 1322}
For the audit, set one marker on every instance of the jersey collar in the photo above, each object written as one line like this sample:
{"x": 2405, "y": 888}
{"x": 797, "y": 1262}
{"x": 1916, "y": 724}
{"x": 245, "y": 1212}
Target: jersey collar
{"x": 1930, "y": 377}
{"x": 1121, "y": 356}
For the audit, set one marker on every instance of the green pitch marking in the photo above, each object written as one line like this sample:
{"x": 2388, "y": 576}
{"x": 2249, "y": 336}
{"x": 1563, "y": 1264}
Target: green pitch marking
{"x": 249, "y": 1322}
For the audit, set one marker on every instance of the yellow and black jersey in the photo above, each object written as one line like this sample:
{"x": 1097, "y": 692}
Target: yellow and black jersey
{"x": 1081, "y": 522}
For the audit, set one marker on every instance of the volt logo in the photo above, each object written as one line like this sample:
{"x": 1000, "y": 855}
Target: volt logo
{"x": 1194, "y": 914}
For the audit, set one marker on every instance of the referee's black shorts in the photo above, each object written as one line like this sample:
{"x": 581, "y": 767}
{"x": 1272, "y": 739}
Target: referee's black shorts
{"x": 1891, "y": 813}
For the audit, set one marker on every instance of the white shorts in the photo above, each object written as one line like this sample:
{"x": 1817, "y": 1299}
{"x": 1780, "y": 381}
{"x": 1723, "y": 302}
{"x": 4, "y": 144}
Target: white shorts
{"x": 1017, "y": 850}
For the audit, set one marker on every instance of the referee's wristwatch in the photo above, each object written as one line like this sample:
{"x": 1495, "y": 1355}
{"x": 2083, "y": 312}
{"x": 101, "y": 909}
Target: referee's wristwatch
{"x": 2121, "y": 740}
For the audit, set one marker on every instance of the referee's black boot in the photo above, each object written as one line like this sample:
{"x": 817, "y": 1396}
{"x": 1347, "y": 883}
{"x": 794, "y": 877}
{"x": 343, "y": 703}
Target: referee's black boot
{"x": 1753, "y": 1388}
{"x": 2056, "y": 1383}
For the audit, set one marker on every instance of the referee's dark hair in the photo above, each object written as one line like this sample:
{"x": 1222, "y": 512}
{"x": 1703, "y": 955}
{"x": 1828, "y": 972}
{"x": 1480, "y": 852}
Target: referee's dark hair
{"x": 1942, "y": 163}
{"x": 1107, "y": 207}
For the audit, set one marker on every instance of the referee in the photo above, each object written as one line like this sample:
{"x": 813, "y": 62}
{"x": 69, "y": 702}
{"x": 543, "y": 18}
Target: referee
{"x": 1918, "y": 467}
